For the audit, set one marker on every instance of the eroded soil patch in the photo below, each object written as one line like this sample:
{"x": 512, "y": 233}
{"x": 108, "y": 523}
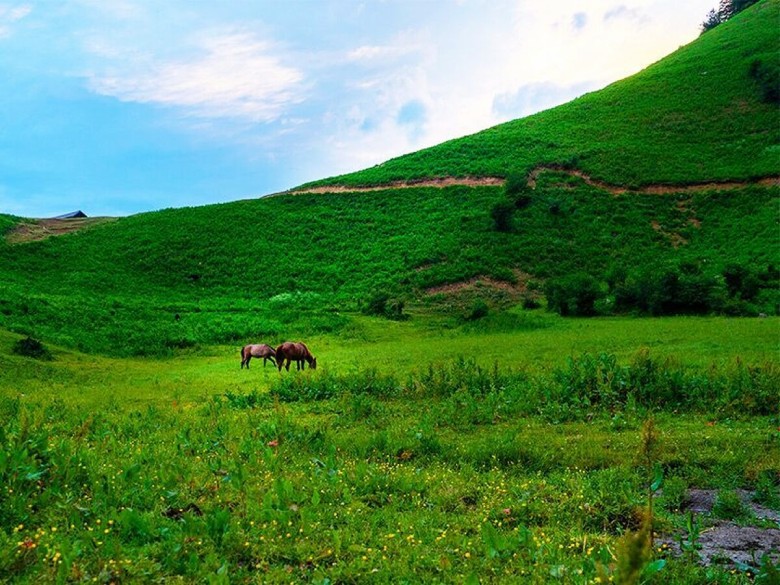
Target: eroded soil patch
{"x": 533, "y": 176}
{"x": 724, "y": 541}
{"x": 439, "y": 183}
{"x": 40, "y": 229}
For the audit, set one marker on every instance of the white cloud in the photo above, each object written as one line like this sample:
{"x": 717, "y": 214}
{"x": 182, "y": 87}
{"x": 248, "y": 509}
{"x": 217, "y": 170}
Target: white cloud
{"x": 371, "y": 52}
{"x": 10, "y": 15}
{"x": 613, "y": 40}
{"x": 236, "y": 75}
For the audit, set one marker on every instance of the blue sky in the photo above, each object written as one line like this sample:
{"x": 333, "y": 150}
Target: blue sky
{"x": 122, "y": 106}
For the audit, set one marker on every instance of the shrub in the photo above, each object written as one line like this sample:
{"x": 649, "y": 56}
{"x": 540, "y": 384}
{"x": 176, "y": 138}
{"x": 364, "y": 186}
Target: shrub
{"x": 676, "y": 290}
{"x": 573, "y": 295}
{"x": 523, "y": 200}
{"x": 517, "y": 191}
{"x": 515, "y": 185}
{"x": 382, "y": 304}
{"x": 530, "y": 303}
{"x": 712, "y": 20}
{"x": 767, "y": 75}
{"x": 502, "y": 213}
{"x": 33, "y": 348}
{"x": 741, "y": 282}
{"x": 479, "y": 309}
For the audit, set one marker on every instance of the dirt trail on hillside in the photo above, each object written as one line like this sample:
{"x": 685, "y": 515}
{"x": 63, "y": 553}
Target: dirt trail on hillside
{"x": 438, "y": 183}
{"x": 533, "y": 176}
{"x": 40, "y": 229}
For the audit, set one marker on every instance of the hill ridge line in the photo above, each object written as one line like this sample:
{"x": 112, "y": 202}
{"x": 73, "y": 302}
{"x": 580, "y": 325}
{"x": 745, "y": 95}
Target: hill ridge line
{"x": 532, "y": 177}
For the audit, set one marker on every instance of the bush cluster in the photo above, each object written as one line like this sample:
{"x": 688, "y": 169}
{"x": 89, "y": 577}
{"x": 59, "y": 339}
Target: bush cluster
{"x": 383, "y": 304}
{"x": 681, "y": 289}
{"x": 767, "y": 75}
{"x": 33, "y": 348}
{"x": 585, "y": 385}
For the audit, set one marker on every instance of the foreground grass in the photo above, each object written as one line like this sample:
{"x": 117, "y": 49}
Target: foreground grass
{"x": 396, "y": 462}
{"x": 347, "y": 490}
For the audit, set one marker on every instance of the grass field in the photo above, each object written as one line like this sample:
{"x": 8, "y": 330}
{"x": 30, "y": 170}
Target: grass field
{"x": 400, "y": 459}
{"x": 471, "y": 437}
{"x": 531, "y": 341}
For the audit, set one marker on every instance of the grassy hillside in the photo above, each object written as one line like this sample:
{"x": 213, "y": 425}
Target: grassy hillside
{"x": 694, "y": 116}
{"x": 288, "y": 264}
{"x": 292, "y": 264}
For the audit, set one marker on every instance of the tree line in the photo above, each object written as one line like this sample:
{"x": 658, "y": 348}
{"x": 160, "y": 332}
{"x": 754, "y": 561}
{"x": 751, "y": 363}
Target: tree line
{"x": 726, "y": 9}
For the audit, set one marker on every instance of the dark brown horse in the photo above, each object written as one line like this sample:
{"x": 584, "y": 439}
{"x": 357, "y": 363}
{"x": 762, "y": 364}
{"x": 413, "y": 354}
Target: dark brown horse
{"x": 294, "y": 352}
{"x": 260, "y": 350}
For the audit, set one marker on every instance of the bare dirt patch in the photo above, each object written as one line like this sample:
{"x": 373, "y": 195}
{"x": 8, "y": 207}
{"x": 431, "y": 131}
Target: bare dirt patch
{"x": 725, "y": 542}
{"x": 657, "y": 189}
{"x": 533, "y": 176}
{"x": 674, "y": 238}
{"x": 40, "y": 229}
{"x": 496, "y": 293}
{"x": 520, "y": 286}
{"x": 438, "y": 183}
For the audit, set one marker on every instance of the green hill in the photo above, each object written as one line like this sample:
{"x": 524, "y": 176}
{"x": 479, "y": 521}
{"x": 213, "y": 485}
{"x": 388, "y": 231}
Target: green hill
{"x": 295, "y": 262}
{"x": 698, "y": 115}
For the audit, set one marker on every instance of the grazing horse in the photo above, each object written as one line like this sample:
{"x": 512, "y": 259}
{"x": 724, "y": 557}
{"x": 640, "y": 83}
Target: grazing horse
{"x": 294, "y": 352}
{"x": 259, "y": 351}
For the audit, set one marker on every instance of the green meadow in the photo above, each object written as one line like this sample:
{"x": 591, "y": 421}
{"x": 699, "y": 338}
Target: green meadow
{"x": 536, "y": 382}
{"x": 416, "y": 452}
{"x": 532, "y": 341}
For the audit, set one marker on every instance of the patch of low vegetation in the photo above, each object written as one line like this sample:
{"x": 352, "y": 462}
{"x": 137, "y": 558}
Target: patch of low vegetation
{"x": 729, "y": 506}
{"x": 29, "y": 347}
{"x": 766, "y": 73}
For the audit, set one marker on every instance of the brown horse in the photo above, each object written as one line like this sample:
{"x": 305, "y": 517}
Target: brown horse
{"x": 294, "y": 352}
{"x": 259, "y": 351}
